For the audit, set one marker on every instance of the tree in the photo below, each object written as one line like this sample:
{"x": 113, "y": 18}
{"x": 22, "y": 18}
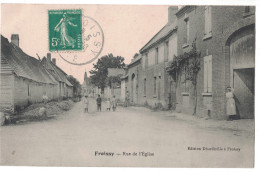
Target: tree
{"x": 99, "y": 73}
{"x": 191, "y": 62}
{"x": 76, "y": 85}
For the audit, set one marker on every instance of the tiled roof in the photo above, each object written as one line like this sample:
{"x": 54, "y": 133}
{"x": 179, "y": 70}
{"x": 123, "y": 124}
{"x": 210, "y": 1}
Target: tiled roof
{"x": 23, "y": 64}
{"x": 5, "y": 67}
{"x": 165, "y": 31}
{"x": 56, "y": 72}
{"x": 139, "y": 57}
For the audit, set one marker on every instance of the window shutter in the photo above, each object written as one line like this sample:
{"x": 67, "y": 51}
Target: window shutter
{"x": 205, "y": 74}
{"x": 210, "y": 73}
{"x": 209, "y": 19}
{"x": 206, "y": 19}
{"x": 188, "y": 31}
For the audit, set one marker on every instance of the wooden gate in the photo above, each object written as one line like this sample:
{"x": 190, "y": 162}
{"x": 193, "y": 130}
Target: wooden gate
{"x": 242, "y": 70}
{"x": 244, "y": 92}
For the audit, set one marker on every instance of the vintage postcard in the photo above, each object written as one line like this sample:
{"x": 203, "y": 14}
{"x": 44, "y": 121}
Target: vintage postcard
{"x": 127, "y": 85}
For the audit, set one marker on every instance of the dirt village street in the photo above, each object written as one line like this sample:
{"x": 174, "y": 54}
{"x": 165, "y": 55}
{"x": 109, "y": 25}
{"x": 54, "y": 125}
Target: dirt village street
{"x": 130, "y": 136}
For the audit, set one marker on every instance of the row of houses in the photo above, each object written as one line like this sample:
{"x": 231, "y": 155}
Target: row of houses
{"x": 25, "y": 79}
{"x": 225, "y": 39}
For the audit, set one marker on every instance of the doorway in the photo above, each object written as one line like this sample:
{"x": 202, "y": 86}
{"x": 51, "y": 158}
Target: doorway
{"x": 244, "y": 91}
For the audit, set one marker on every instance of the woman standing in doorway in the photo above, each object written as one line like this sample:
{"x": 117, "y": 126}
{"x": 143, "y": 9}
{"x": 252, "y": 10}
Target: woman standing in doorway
{"x": 231, "y": 105}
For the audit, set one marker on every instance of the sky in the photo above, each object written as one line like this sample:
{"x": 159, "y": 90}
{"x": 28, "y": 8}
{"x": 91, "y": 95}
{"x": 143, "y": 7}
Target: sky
{"x": 127, "y": 28}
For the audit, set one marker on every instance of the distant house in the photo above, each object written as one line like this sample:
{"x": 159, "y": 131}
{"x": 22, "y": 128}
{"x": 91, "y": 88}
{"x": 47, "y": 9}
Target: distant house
{"x": 23, "y": 79}
{"x": 65, "y": 88}
{"x": 113, "y": 87}
{"x": 129, "y": 82}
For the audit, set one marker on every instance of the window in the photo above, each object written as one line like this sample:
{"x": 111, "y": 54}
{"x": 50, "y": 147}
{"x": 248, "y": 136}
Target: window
{"x": 208, "y": 74}
{"x": 146, "y": 60}
{"x": 151, "y": 57}
{"x": 154, "y": 87}
{"x": 28, "y": 90}
{"x": 187, "y": 31}
{"x": 172, "y": 50}
{"x": 208, "y": 23}
{"x": 143, "y": 62}
{"x": 247, "y": 9}
{"x": 156, "y": 55}
{"x": 145, "y": 87}
{"x": 166, "y": 51}
{"x": 159, "y": 88}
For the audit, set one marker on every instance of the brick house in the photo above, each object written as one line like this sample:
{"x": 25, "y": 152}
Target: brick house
{"x": 154, "y": 83}
{"x": 146, "y": 79}
{"x": 225, "y": 37}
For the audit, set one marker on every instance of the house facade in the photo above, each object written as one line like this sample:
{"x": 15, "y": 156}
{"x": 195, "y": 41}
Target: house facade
{"x": 113, "y": 87}
{"x": 147, "y": 81}
{"x": 131, "y": 82}
{"x": 65, "y": 88}
{"x": 157, "y": 54}
{"x": 225, "y": 38}
{"x": 24, "y": 80}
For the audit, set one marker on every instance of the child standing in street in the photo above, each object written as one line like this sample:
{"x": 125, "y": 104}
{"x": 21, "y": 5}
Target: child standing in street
{"x": 86, "y": 102}
{"x": 108, "y": 104}
{"x": 114, "y": 104}
{"x": 99, "y": 100}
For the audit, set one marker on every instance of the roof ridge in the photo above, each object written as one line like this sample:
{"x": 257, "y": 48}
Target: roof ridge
{"x": 169, "y": 26}
{"x": 153, "y": 36}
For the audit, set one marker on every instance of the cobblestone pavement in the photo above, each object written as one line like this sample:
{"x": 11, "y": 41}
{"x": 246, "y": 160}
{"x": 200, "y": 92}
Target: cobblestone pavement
{"x": 130, "y": 136}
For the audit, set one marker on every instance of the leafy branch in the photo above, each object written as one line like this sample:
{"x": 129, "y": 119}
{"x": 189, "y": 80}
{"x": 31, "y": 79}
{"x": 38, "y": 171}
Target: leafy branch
{"x": 190, "y": 61}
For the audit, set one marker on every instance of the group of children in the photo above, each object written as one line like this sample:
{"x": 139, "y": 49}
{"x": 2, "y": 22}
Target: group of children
{"x": 109, "y": 103}
{"x": 112, "y": 103}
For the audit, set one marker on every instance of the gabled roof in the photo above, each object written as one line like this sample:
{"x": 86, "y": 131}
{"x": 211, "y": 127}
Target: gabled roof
{"x": 56, "y": 72}
{"x": 138, "y": 58}
{"x": 164, "y": 32}
{"x": 23, "y": 64}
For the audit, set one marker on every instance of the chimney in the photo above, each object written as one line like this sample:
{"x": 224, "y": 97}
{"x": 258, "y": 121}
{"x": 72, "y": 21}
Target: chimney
{"x": 49, "y": 57}
{"x": 54, "y": 61}
{"x": 15, "y": 39}
{"x": 172, "y": 10}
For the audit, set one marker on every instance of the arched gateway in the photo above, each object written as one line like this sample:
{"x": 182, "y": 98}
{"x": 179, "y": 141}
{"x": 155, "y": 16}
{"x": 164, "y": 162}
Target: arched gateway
{"x": 242, "y": 69}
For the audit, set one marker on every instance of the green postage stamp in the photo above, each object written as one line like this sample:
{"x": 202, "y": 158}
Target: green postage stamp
{"x": 65, "y": 30}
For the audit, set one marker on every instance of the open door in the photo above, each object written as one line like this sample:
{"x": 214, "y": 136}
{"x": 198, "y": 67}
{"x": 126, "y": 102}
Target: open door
{"x": 244, "y": 91}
